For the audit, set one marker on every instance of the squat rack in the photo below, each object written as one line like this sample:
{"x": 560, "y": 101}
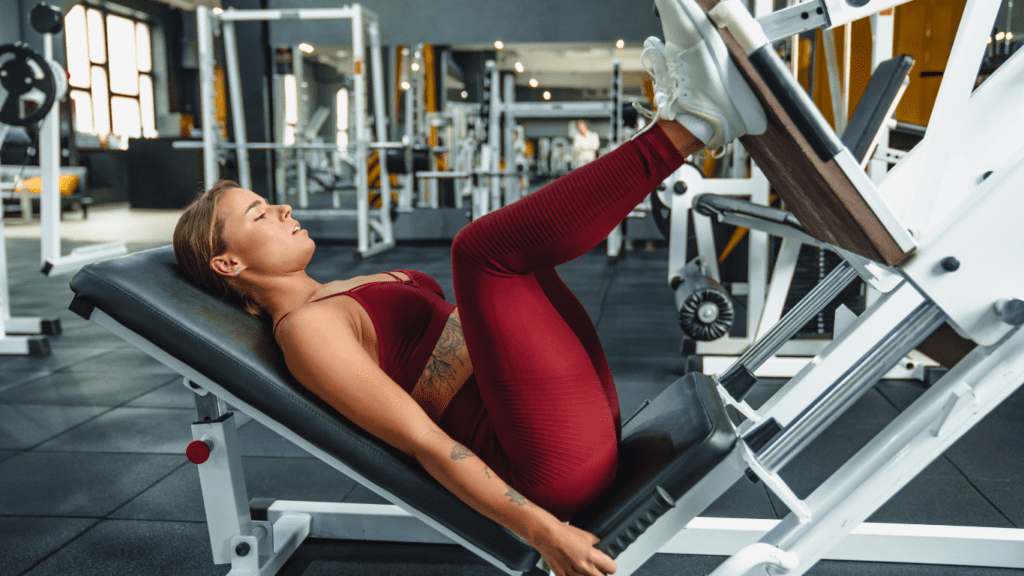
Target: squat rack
{"x": 374, "y": 231}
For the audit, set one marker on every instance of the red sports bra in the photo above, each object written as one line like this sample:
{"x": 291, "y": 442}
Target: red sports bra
{"x": 408, "y": 316}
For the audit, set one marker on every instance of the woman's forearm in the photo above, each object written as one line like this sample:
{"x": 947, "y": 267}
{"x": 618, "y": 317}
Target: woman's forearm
{"x": 469, "y": 478}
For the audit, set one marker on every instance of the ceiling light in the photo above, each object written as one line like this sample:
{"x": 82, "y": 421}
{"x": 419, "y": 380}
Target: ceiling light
{"x": 307, "y": 48}
{"x": 498, "y": 44}
{"x": 405, "y": 85}
{"x": 218, "y": 10}
{"x": 519, "y": 67}
{"x": 534, "y": 83}
{"x": 415, "y": 66}
{"x": 620, "y": 44}
{"x": 999, "y": 36}
{"x": 547, "y": 95}
{"x": 1009, "y": 36}
{"x": 465, "y": 94}
{"x": 989, "y": 40}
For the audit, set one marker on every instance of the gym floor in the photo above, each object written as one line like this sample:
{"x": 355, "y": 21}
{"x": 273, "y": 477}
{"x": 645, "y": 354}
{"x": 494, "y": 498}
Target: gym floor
{"x": 94, "y": 481}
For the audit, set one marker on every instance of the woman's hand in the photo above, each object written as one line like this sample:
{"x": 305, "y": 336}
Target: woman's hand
{"x": 569, "y": 551}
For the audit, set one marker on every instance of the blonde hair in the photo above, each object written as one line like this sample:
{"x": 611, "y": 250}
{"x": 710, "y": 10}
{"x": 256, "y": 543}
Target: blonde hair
{"x": 199, "y": 237}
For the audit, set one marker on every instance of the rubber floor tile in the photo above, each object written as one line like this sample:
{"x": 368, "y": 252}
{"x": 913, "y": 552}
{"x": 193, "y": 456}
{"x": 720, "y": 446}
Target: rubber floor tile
{"x": 85, "y": 485}
{"x": 136, "y": 547}
{"x": 24, "y": 426}
{"x": 140, "y": 430}
{"x": 25, "y": 540}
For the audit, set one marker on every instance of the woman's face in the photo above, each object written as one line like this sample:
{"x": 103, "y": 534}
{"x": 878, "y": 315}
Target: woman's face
{"x": 260, "y": 237}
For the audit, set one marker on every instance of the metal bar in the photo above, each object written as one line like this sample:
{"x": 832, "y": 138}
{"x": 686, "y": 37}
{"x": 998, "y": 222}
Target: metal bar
{"x": 359, "y": 88}
{"x": 259, "y": 146}
{"x": 5, "y": 292}
{"x": 223, "y": 486}
{"x": 600, "y": 110}
{"x": 834, "y": 86}
{"x": 863, "y": 374}
{"x": 49, "y": 173}
{"x": 467, "y": 174}
{"x": 778, "y": 288}
{"x": 764, "y": 348}
{"x": 758, "y": 254}
{"x": 207, "y": 96}
{"x": 409, "y": 139}
{"x": 494, "y": 134}
{"x": 380, "y": 121}
{"x": 847, "y": 58}
{"x": 237, "y": 109}
{"x": 325, "y": 213}
{"x": 509, "y": 183}
{"x": 301, "y": 118}
{"x": 287, "y": 14}
{"x": 867, "y": 542}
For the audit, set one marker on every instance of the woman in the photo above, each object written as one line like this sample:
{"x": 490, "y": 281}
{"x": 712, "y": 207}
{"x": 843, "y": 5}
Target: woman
{"x": 507, "y": 400}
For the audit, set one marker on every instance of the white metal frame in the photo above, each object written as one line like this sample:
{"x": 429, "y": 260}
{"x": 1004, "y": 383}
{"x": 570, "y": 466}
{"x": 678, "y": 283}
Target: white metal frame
{"x": 52, "y": 260}
{"x": 17, "y": 345}
{"x": 374, "y": 228}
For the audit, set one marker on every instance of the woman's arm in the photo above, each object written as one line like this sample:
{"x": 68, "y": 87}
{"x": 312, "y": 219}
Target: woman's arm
{"x": 567, "y": 550}
{"x": 323, "y": 351}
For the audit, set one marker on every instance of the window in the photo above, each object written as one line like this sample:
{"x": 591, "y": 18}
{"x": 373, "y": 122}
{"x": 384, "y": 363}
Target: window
{"x": 110, "y": 64}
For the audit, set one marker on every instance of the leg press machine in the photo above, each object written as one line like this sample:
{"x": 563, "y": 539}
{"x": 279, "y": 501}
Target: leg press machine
{"x": 681, "y": 452}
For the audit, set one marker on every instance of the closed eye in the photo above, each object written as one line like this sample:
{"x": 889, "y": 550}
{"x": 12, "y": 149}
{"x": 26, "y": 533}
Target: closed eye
{"x": 261, "y": 216}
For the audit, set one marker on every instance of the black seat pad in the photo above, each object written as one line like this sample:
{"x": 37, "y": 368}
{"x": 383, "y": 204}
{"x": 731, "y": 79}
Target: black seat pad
{"x": 671, "y": 444}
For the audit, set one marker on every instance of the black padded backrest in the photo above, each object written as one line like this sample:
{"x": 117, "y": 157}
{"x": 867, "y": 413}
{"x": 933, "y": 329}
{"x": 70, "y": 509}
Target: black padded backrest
{"x": 881, "y": 91}
{"x": 146, "y": 293}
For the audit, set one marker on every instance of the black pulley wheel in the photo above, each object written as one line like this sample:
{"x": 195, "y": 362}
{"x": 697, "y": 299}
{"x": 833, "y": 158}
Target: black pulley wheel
{"x": 28, "y": 84}
{"x": 706, "y": 315}
{"x": 704, "y": 308}
{"x": 46, "y": 18}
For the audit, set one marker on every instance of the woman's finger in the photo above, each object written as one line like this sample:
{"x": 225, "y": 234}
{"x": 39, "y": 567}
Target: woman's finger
{"x": 603, "y": 562}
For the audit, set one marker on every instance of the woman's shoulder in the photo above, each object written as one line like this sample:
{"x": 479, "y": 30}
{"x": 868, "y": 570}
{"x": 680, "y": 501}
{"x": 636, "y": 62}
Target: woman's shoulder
{"x": 328, "y": 314}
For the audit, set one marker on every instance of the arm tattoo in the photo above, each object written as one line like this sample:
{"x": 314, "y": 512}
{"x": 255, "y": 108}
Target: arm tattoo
{"x": 513, "y": 495}
{"x": 440, "y": 373}
{"x": 517, "y": 498}
{"x": 460, "y": 452}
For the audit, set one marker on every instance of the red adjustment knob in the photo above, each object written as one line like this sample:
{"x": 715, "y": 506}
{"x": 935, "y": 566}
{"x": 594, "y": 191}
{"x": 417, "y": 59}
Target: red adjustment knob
{"x": 198, "y": 451}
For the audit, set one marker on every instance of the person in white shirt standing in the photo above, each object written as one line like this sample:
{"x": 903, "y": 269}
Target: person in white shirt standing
{"x": 585, "y": 144}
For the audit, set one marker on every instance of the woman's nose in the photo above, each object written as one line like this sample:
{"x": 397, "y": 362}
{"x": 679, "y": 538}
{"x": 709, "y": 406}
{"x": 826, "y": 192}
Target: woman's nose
{"x": 286, "y": 210}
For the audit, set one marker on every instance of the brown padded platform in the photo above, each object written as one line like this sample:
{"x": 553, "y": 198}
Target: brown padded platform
{"x": 818, "y": 193}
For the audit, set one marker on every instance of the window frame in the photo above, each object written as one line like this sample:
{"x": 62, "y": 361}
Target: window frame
{"x": 147, "y": 129}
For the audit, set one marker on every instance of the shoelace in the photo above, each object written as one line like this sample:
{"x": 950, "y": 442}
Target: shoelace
{"x": 670, "y": 85}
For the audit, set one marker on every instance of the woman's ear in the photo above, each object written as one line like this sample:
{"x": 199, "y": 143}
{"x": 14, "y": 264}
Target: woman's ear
{"x": 225, "y": 265}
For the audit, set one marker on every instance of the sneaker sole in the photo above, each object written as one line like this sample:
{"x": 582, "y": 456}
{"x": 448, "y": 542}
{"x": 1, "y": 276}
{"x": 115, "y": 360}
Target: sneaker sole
{"x": 743, "y": 99}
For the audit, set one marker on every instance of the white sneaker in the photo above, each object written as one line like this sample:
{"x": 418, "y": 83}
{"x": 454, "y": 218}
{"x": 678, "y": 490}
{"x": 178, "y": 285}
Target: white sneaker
{"x": 694, "y": 75}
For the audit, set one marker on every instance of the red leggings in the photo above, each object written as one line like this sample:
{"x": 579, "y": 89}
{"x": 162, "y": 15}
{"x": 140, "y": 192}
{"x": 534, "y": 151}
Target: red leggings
{"x": 543, "y": 412}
